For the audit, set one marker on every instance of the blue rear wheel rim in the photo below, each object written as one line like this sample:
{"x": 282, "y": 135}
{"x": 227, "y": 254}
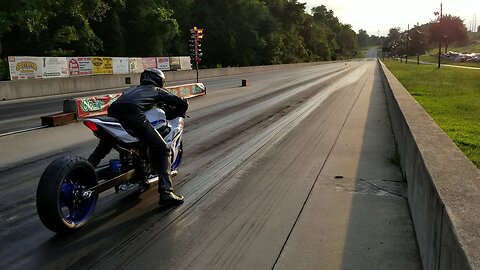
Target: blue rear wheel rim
{"x": 73, "y": 207}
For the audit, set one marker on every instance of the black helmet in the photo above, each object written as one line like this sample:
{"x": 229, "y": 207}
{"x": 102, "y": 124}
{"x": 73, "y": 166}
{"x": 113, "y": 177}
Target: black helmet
{"x": 152, "y": 76}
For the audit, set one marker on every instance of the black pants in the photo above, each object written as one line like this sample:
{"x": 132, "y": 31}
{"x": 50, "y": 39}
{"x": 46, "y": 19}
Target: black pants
{"x": 133, "y": 119}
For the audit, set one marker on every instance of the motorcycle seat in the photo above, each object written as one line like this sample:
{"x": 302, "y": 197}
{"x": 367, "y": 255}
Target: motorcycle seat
{"x": 107, "y": 119}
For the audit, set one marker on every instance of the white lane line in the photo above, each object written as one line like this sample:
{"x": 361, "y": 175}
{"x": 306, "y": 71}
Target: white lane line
{"x": 22, "y": 130}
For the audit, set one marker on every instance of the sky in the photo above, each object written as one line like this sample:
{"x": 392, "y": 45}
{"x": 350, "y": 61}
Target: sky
{"x": 378, "y": 16}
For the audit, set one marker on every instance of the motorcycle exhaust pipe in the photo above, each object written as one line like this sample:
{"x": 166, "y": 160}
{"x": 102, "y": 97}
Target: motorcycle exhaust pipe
{"x": 152, "y": 182}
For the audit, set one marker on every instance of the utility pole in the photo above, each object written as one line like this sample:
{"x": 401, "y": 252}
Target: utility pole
{"x": 408, "y": 37}
{"x": 417, "y": 39}
{"x": 440, "y": 36}
{"x": 474, "y": 30}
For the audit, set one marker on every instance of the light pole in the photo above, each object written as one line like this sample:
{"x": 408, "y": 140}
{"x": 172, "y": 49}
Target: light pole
{"x": 394, "y": 46}
{"x": 404, "y": 45}
{"x": 418, "y": 34}
{"x": 408, "y": 37}
{"x": 417, "y": 40}
{"x": 439, "y": 34}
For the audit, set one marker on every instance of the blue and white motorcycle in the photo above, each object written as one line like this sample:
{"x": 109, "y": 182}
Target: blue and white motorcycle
{"x": 69, "y": 187}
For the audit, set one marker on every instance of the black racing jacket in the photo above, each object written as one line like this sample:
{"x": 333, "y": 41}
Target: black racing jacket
{"x": 147, "y": 96}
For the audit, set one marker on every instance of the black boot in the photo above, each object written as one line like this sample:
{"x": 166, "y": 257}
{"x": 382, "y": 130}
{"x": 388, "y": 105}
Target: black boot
{"x": 168, "y": 198}
{"x": 165, "y": 189}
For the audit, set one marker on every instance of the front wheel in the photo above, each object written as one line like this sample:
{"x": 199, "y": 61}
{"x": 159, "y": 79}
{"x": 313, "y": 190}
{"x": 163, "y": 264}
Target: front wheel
{"x": 61, "y": 201}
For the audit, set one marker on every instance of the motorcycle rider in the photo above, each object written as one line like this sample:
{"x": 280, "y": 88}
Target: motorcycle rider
{"x": 129, "y": 110}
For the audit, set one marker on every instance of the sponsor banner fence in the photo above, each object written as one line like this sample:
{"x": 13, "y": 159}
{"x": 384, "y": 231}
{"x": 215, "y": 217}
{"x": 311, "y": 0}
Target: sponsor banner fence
{"x": 54, "y": 67}
{"x": 79, "y": 66}
{"x": 25, "y": 67}
{"x": 136, "y": 65}
{"x": 180, "y": 63}
{"x": 163, "y": 63}
{"x": 185, "y": 63}
{"x": 149, "y": 62}
{"x": 97, "y": 105}
{"x": 102, "y": 65}
{"x": 29, "y": 67}
{"x": 121, "y": 65}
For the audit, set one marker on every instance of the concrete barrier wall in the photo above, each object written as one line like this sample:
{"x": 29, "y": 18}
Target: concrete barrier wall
{"x": 45, "y": 87}
{"x": 443, "y": 185}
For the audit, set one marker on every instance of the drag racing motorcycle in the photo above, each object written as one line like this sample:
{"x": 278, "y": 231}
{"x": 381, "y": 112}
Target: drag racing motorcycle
{"x": 69, "y": 187}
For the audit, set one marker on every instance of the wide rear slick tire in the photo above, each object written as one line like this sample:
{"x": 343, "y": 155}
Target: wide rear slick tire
{"x": 60, "y": 204}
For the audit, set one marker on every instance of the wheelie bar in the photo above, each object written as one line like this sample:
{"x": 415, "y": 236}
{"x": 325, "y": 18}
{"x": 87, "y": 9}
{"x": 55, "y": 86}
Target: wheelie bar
{"x": 108, "y": 184}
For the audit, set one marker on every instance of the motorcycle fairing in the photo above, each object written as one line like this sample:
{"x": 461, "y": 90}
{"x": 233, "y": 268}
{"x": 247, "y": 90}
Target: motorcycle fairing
{"x": 155, "y": 116}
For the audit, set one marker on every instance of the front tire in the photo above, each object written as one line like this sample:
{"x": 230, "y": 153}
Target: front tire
{"x": 60, "y": 204}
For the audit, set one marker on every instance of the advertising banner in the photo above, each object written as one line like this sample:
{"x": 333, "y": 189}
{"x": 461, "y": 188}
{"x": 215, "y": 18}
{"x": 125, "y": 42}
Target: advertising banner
{"x": 149, "y": 62}
{"x": 94, "y": 106}
{"x": 25, "y": 67}
{"x": 185, "y": 63}
{"x": 54, "y": 67}
{"x": 78, "y": 66}
{"x": 120, "y": 65}
{"x": 136, "y": 65}
{"x": 163, "y": 63}
{"x": 102, "y": 65}
{"x": 174, "y": 63}
{"x": 188, "y": 90}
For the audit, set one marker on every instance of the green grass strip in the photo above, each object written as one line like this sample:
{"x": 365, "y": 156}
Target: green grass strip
{"x": 452, "y": 98}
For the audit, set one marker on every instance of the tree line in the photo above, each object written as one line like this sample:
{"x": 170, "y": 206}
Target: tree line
{"x": 237, "y": 32}
{"x": 446, "y": 31}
